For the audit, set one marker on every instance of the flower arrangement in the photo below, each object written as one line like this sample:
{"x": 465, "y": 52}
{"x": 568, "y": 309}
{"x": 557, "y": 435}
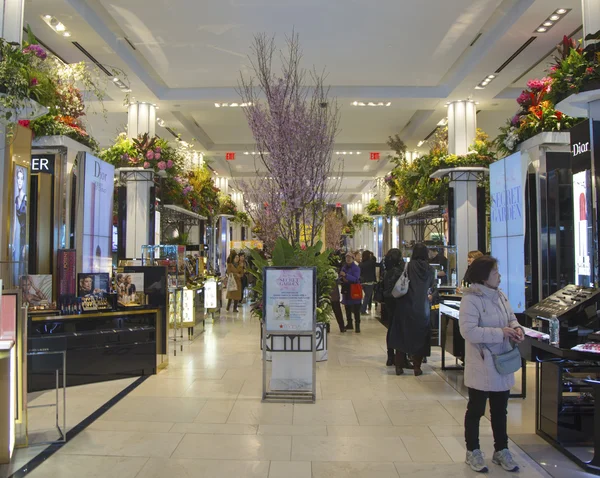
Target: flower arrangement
{"x": 359, "y": 220}
{"x": 374, "y": 208}
{"x": 226, "y": 205}
{"x": 536, "y": 114}
{"x": 241, "y": 218}
{"x": 575, "y": 69}
{"x": 349, "y": 229}
{"x": 411, "y": 182}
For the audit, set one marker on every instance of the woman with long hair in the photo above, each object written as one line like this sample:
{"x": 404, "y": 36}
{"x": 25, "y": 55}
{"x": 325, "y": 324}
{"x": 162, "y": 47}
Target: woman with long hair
{"x": 411, "y": 328}
{"x": 394, "y": 266}
{"x": 350, "y": 274}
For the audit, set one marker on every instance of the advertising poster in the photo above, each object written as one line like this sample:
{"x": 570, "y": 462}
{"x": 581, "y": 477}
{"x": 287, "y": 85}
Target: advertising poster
{"x": 128, "y": 284}
{"x": 98, "y": 186}
{"x": 37, "y": 289}
{"x": 289, "y": 298}
{"x": 18, "y": 233}
{"x": 67, "y": 286}
{"x": 93, "y": 284}
{"x": 581, "y": 209}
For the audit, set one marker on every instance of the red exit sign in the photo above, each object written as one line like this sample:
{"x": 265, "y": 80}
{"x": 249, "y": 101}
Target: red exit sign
{"x": 375, "y": 156}
{"x": 229, "y": 156}
{"x": 338, "y": 204}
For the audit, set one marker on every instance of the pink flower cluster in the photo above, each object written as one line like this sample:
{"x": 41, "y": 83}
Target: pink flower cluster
{"x": 153, "y": 154}
{"x": 37, "y": 51}
{"x": 540, "y": 85}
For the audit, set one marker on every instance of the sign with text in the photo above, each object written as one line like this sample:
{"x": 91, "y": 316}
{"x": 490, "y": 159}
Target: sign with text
{"x": 375, "y": 156}
{"x": 42, "y": 163}
{"x": 289, "y": 299}
{"x": 229, "y": 156}
{"x": 210, "y": 294}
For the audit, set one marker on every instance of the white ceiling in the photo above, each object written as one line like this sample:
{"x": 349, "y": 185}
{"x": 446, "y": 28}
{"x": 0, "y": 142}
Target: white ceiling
{"x": 416, "y": 54}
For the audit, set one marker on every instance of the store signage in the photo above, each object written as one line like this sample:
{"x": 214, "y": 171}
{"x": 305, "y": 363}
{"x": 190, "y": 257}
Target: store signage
{"x": 375, "y": 156}
{"x": 229, "y": 156}
{"x": 338, "y": 204}
{"x": 42, "y": 163}
{"x": 290, "y": 299}
{"x": 66, "y": 273}
{"x": 580, "y": 142}
{"x": 210, "y": 294}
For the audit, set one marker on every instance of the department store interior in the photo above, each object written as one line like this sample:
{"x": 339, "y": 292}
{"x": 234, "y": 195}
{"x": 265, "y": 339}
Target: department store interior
{"x": 187, "y": 189}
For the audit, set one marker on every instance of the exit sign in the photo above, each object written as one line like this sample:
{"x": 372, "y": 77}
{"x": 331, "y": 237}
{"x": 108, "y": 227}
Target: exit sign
{"x": 229, "y": 156}
{"x": 375, "y": 157}
{"x": 338, "y": 204}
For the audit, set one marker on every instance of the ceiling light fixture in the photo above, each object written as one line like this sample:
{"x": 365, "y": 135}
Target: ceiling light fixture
{"x": 371, "y": 103}
{"x": 66, "y": 34}
{"x": 443, "y": 122}
{"x": 232, "y": 105}
{"x": 552, "y": 20}
{"x": 420, "y": 143}
{"x": 56, "y": 25}
{"x": 486, "y": 81}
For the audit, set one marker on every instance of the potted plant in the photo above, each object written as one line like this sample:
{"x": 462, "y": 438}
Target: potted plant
{"x": 285, "y": 254}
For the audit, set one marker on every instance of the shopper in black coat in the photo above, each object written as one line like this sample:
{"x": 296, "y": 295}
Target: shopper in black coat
{"x": 368, "y": 278}
{"x": 411, "y": 329}
{"x": 394, "y": 266}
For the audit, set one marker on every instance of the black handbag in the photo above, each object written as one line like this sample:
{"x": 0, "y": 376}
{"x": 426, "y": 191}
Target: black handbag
{"x": 378, "y": 292}
{"x": 345, "y": 288}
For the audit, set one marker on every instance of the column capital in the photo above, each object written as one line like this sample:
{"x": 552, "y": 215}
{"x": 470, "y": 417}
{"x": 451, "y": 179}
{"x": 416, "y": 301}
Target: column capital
{"x": 141, "y": 119}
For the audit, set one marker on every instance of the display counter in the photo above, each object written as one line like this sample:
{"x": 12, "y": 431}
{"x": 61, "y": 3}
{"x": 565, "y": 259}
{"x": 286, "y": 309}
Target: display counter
{"x": 567, "y": 387}
{"x": 100, "y": 346}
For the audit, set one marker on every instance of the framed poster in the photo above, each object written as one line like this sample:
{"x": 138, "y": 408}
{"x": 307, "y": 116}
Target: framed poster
{"x": 129, "y": 284}
{"x": 92, "y": 284}
{"x": 66, "y": 277}
{"x": 289, "y": 299}
{"x": 37, "y": 289}
{"x": 210, "y": 294}
{"x": 19, "y": 220}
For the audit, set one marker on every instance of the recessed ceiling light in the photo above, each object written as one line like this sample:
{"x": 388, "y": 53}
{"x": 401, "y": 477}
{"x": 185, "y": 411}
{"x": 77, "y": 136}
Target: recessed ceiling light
{"x": 420, "y": 143}
{"x": 60, "y": 27}
{"x": 554, "y": 17}
{"x": 358, "y": 152}
{"x": 561, "y": 11}
{"x": 47, "y": 17}
{"x": 491, "y": 77}
{"x": 548, "y": 23}
{"x": 389, "y": 103}
{"x": 217, "y": 105}
{"x": 66, "y": 34}
{"x": 542, "y": 29}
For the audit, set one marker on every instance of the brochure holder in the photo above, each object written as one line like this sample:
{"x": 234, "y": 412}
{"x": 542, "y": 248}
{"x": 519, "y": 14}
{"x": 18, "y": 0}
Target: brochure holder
{"x": 289, "y": 313}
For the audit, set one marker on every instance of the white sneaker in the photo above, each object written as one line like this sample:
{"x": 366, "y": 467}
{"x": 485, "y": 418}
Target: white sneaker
{"x": 476, "y": 461}
{"x": 505, "y": 460}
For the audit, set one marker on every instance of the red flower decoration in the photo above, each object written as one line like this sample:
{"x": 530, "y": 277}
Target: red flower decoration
{"x": 25, "y": 123}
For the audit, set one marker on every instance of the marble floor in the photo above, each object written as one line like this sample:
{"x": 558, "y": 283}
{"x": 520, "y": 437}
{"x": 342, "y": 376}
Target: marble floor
{"x": 203, "y": 417}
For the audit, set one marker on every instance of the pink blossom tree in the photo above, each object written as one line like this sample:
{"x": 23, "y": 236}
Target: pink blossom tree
{"x": 294, "y": 124}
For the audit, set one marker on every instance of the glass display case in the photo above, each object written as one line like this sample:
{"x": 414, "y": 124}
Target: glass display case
{"x": 173, "y": 257}
{"x": 443, "y": 259}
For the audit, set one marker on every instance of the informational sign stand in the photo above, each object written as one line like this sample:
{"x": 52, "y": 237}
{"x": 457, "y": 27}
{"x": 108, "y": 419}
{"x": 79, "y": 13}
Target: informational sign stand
{"x": 210, "y": 297}
{"x": 289, "y": 313}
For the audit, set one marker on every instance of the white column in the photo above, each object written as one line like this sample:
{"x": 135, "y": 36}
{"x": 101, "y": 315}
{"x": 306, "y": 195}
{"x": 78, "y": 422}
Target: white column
{"x": 137, "y": 229}
{"x": 591, "y": 17}
{"x": 411, "y": 156}
{"x": 462, "y": 126}
{"x": 141, "y": 119}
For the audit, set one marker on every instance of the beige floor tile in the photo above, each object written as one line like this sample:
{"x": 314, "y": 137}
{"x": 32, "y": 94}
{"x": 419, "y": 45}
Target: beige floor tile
{"x": 441, "y": 431}
{"x": 162, "y": 388}
{"x": 254, "y": 412}
{"x": 117, "y": 443}
{"x": 455, "y": 447}
{"x": 215, "y": 411}
{"x": 437, "y": 470}
{"x": 234, "y": 447}
{"x": 89, "y": 467}
{"x": 325, "y": 412}
{"x": 215, "y": 389}
{"x": 214, "y": 429}
{"x": 418, "y": 413}
{"x": 109, "y": 425}
{"x": 350, "y": 390}
{"x": 290, "y": 469}
{"x": 176, "y": 468}
{"x": 426, "y": 450}
{"x": 155, "y": 409}
{"x": 371, "y": 412}
{"x": 378, "y": 449}
{"x": 354, "y": 470}
{"x": 292, "y": 430}
{"x": 379, "y": 431}
{"x": 192, "y": 374}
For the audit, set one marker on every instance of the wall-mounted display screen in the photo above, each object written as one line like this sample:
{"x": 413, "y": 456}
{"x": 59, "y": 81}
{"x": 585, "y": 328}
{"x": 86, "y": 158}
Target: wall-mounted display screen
{"x": 581, "y": 211}
{"x": 97, "y": 190}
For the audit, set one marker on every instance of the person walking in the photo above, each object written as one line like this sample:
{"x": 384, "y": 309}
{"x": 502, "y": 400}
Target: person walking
{"x": 394, "y": 266}
{"x": 488, "y": 326}
{"x": 368, "y": 279}
{"x": 411, "y": 328}
{"x": 350, "y": 274}
{"x": 234, "y": 273}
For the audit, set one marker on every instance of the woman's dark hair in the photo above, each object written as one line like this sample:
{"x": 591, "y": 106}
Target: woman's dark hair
{"x": 393, "y": 258}
{"x": 366, "y": 255}
{"x": 232, "y": 256}
{"x": 420, "y": 252}
{"x": 479, "y": 271}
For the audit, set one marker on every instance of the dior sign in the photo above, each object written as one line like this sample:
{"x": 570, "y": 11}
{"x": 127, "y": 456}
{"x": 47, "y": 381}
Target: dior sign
{"x": 581, "y": 151}
{"x": 580, "y": 148}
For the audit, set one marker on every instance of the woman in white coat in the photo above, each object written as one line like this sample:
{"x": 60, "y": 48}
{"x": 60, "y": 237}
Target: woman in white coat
{"x": 488, "y": 325}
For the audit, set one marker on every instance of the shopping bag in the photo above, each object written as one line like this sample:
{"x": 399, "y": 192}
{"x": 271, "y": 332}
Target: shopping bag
{"x": 401, "y": 286}
{"x": 231, "y": 283}
{"x": 356, "y": 292}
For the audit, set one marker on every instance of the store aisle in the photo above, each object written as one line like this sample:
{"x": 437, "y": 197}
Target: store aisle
{"x": 203, "y": 418}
